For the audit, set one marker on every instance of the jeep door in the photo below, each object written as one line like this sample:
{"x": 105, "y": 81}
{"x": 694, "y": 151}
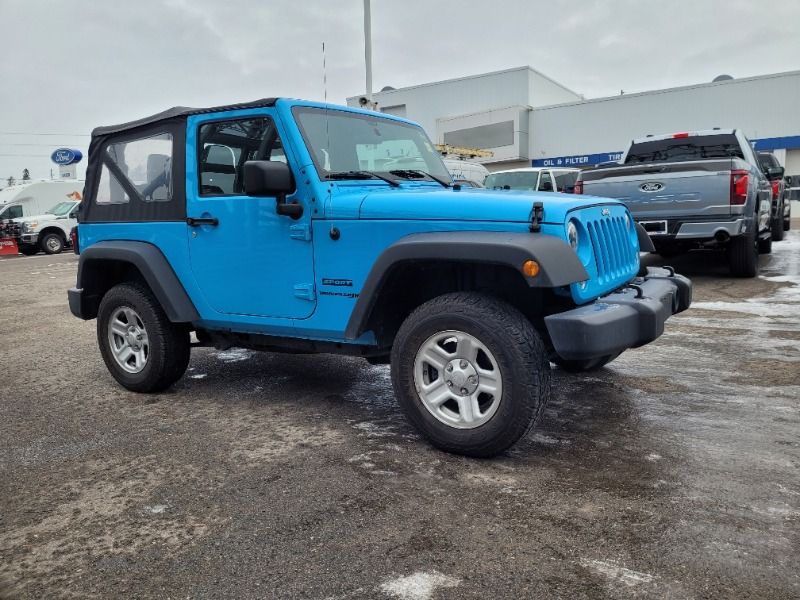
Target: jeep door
{"x": 247, "y": 260}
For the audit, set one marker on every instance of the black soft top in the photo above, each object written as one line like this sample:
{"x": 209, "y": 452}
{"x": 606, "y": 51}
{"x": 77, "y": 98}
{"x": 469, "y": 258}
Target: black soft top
{"x": 177, "y": 111}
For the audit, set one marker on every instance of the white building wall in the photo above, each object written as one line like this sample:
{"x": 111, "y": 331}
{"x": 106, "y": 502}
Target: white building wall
{"x": 429, "y": 102}
{"x": 763, "y": 107}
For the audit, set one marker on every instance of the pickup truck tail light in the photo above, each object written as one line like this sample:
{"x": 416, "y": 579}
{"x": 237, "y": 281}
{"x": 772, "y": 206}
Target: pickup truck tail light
{"x": 578, "y": 189}
{"x": 739, "y": 182}
{"x": 776, "y": 189}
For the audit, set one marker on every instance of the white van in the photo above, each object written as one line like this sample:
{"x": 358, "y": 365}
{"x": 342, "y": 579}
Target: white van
{"x": 37, "y": 197}
{"x": 467, "y": 172}
{"x": 534, "y": 179}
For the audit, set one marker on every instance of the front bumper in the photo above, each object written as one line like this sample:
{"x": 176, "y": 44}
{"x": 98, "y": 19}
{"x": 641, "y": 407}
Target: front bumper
{"x": 28, "y": 238}
{"x": 83, "y": 305}
{"x": 628, "y": 318}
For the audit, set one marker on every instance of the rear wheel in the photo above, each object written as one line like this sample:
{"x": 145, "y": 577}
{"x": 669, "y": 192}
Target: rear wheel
{"x": 52, "y": 243}
{"x": 743, "y": 254}
{"x": 582, "y": 366}
{"x": 470, "y": 372}
{"x": 765, "y": 245}
{"x": 142, "y": 349}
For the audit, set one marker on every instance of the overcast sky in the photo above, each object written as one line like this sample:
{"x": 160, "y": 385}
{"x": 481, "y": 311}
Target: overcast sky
{"x": 70, "y": 66}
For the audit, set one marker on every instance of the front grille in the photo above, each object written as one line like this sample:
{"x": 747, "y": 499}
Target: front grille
{"x": 615, "y": 256}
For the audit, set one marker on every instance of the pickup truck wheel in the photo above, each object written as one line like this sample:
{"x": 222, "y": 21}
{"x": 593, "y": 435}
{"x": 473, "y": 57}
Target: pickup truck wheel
{"x": 142, "y": 349}
{"x": 471, "y": 373}
{"x": 29, "y": 250}
{"x": 777, "y": 225}
{"x": 582, "y": 366}
{"x": 743, "y": 254}
{"x": 52, "y": 243}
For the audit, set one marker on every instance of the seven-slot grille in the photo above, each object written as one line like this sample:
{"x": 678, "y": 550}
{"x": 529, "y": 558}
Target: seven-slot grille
{"x": 614, "y": 254}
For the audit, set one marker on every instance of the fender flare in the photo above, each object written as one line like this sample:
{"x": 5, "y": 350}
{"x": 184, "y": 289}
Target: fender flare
{"x": 151, "y": 263}
{"x": 645, "y": 243}
{"x": 558, "y": 263}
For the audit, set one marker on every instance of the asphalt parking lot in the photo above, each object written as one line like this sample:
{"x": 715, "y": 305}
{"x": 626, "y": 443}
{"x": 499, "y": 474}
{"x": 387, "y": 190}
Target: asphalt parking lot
{"x": 673, "y": 472}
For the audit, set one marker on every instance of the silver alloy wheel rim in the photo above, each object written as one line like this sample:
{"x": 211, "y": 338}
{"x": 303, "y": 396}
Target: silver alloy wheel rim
{"x": 53, "y": 244}
{"x": 127, "y": 339}
{"x": 458, "y": 379}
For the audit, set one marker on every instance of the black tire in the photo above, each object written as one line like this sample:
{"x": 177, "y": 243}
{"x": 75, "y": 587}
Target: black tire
{"x": 520, "y": 355}
{"x": 777, "y": 225}
{"x": 169, "y": 347}
{"x": 29, "y": 249}
{"x": 583, "y": 366}
{"x": 787, "y": 224}
{"x": 52, "y": 243}
{"x": 743, "y": 255}
{"x": 765, "y": 245}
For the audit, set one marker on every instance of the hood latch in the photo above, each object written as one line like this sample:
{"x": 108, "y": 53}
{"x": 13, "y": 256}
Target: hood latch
{"x": 537, "y": 214}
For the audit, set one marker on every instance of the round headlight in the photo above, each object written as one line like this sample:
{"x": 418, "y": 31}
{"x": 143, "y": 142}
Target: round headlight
{"x": 572, "y": 235}
{"x": 628, "y": 222}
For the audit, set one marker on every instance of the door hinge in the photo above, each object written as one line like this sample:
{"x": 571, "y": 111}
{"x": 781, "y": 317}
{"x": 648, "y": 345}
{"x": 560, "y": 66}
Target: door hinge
{"x": 301, "y": 231}
{"x": 304, "y": 291}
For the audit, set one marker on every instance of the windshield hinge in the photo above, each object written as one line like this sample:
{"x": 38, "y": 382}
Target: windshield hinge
{"x": 300, "y": 232}
{"x": 304, "y": 291}
{"x": 537, "y": 214}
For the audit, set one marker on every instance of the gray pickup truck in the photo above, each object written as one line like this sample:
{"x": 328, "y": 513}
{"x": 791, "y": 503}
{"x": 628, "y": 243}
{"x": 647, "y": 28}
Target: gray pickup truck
{"x": 703, "y": 189}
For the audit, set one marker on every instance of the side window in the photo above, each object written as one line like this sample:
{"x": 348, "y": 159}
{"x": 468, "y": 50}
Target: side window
{"x": 224, "y": 147}
{"x": 13, "y": 212}
{"x": 545, "y": 182}
{"x": 147, "y": 163}
{"x": 110, "y": 190}
{"x": 565, "y": 182}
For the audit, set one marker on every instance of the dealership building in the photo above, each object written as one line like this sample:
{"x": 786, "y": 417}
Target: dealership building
{"x": 527, "y": 119}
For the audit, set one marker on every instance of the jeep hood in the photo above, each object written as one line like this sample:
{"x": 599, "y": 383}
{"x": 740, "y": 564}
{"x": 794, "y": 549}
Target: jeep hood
{"x": 470, "y": 204}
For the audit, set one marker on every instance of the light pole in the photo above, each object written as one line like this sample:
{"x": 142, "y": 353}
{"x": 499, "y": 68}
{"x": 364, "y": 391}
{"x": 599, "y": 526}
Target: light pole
{"x": 368, "y": 51}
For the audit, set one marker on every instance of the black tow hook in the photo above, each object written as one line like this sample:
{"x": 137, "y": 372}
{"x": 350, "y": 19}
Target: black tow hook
{"x": 670, "y": 269}
{"x": 639, "y": 290}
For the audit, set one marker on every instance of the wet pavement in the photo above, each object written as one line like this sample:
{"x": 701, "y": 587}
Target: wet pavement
{"x": 672, "y": 473}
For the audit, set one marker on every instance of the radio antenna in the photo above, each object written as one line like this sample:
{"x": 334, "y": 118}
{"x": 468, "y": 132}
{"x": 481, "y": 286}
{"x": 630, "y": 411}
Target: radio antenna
{"x": 327, "y": 164}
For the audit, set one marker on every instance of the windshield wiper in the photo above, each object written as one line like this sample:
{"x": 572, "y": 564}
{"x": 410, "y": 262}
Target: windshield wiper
{"x": 407, "y": 173}
{"x": 361, "y": 175}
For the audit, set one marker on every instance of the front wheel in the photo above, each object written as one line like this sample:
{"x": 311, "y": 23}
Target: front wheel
{"x": 142, "y": 349}
{"x": 52, "y": 243}
{"x": 29, "y": 249}
{"x": 471, "y": 373}
{"x": 777, "y": 225}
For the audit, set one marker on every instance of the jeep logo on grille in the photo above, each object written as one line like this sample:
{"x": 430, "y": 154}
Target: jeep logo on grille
{"x": 605, "y": 212}
{"x": 651, "y": 186}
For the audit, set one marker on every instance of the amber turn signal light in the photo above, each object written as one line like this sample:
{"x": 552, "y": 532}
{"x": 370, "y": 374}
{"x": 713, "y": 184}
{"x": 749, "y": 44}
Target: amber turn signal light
{"x": 530, "y": 268}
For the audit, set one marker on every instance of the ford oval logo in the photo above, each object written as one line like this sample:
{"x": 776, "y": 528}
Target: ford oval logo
{"x": 66, "y": 156}
{"x": 651, "y": 186}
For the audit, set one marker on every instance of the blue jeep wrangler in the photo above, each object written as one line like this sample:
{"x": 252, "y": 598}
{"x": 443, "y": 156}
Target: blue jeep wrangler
{"x": 292, "y": 226}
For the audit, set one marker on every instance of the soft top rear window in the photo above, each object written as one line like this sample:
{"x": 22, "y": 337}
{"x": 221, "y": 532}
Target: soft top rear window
{"x": 699, "y": 147}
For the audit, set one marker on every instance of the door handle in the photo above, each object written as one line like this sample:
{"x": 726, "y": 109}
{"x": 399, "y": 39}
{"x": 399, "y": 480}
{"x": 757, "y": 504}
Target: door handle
{"x": 197, "y": 221}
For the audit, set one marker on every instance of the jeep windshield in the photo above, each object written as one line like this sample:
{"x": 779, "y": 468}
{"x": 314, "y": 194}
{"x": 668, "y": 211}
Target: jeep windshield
{"x": 61, "y": 209}
{"x": 345, "y": 145}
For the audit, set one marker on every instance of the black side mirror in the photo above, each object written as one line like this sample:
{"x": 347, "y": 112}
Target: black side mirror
{"x": 775, "y": 173}
{"x": 272, "y": 178}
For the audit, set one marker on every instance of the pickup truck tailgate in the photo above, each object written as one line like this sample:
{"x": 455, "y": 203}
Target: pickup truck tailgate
{"x": 700, "y": 188}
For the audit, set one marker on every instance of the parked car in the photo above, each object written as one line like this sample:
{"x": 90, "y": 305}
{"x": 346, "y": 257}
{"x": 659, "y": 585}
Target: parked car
{"x": 280, "y": 239}
{"x": 48, "y": 232}
{"x": 534, "y": 179}
{"x": 781, "y": 205}
{"x": 702, "y": 189}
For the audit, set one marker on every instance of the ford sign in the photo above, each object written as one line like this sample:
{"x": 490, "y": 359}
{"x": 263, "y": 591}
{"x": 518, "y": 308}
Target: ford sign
{"x": 651, "y": 186}
{"x": 66, "y": 156}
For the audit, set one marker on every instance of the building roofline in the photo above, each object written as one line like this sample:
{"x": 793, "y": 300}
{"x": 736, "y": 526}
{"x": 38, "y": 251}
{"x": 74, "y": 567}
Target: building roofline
{"x": 671, "y": 90}
{"x": 527, "y": 68}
